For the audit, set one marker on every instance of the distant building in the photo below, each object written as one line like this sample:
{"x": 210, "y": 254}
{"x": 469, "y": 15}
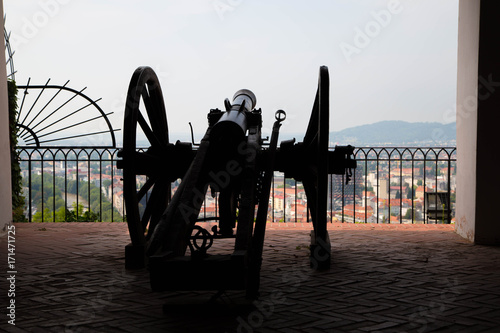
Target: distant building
{"x": 339, "y": 192}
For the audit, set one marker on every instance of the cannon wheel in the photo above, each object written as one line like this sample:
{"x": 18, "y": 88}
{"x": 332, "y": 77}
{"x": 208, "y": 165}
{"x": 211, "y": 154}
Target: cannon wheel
{"x": 144, "y": 201}
{"x": 316, "y": 179}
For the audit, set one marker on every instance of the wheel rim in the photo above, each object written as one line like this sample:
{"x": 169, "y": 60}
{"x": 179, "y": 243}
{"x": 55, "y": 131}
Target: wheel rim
{"x": 146, "y": 188}
{"x": 316, "y": 141}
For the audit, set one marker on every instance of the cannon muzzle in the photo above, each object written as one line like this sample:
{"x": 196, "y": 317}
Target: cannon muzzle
{"x": 244, "y": 96}
{"x": 233, "y": 124}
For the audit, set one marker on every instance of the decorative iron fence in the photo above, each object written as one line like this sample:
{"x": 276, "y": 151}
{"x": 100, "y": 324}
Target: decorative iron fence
{"x": 390, "y": 185}
{"x": 395, "y": 182}
{"x": 61, "y": 184}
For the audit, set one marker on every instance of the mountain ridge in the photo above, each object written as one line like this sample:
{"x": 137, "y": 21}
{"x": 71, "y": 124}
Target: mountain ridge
{"x": 382, "y": 133}
{"x": 396, "y": 132}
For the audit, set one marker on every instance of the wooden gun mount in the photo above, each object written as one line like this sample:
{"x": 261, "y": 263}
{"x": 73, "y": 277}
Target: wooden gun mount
{"x": 232, "y": 161}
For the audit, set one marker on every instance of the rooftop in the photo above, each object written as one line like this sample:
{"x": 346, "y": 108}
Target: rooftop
{"x": 392, "y": 278}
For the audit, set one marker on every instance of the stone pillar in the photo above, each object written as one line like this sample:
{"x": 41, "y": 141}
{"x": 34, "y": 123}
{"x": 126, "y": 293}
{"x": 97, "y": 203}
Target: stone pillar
{"x": 5, "y": 182}
{"x": 478, "y": 110}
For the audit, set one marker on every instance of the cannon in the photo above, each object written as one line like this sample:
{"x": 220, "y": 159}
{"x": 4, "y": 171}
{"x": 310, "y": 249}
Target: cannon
{"x": 235, "y": 163}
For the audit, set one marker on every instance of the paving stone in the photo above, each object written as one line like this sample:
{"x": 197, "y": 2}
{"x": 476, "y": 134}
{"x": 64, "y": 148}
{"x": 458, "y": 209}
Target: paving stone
{"x": 387, "y": 278}
{"x": 379, "y": 327}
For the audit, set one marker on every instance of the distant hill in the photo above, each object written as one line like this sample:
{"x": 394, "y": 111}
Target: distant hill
{"x": 397, "y": 133}
{"x": 383, "y": 133}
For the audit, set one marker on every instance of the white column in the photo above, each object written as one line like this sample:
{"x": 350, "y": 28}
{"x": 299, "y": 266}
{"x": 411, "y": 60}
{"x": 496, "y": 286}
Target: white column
{"x": 478, "y": 118}
{"x": 5, "y": 181}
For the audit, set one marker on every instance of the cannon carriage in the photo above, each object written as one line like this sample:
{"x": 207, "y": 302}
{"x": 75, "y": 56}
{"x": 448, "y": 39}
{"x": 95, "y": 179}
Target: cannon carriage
{"x": 232, "y": 161}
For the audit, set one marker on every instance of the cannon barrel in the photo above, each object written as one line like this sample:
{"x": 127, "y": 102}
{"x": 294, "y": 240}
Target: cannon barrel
{"x": 233, "y": 124}
{"x": 244, "y": 95}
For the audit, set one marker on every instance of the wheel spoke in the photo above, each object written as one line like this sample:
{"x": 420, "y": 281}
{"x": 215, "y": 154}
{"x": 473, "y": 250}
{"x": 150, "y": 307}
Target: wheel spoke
{"x": 151, "y": 110}
{"x": 149, "y": 208}
{"x": 145, "y": 188}
{"x": 156, "y": 112}
{"x": 147, "y": 100}
{"x": 312, "y": 128}
{"x": 147, "y": 130}
{"x": 154, "y": 206}
{"x": 160, "y": 206}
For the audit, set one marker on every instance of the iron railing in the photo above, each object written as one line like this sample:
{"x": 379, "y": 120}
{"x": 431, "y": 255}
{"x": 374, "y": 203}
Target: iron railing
{"x": 423, "y": 170}
{"x": 64, "y": 182}
{"x": 69, "y": 175}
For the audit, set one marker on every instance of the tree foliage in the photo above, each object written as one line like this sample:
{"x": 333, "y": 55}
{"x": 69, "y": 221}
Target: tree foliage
{"x": 16, "y": 178}
{"x": 78, "y": 214}
{"x": 48, "y": 199}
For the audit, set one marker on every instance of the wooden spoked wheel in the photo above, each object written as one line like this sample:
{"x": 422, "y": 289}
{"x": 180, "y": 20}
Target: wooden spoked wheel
{"x": 316, "y": 181}
{"x": 146, "y": 186}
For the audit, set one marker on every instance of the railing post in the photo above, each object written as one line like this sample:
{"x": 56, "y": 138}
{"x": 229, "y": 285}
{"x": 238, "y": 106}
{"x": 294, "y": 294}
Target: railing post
{"x": 30, "y": 208}
{"x": 42, "y": 187}
{"x": 449, "y": 190}
{"x": 412, "y": 187}
{"x": 53, "y": 187}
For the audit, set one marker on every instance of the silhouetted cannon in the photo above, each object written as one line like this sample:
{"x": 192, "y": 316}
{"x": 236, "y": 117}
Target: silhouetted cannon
{"x": 234, "y": 163}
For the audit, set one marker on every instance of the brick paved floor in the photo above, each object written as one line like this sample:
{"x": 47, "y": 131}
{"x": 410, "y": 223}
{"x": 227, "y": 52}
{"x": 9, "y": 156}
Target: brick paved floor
{"x": 70, "y": 278}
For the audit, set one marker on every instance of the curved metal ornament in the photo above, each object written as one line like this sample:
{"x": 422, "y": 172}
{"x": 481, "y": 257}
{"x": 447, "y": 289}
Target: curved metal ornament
{"x": 53, "y": 113}
{"x": 9, "y": 55}
{"x": 48, "y": 118}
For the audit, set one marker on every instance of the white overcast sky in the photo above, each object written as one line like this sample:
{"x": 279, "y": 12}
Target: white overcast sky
{"x": 403, "y": 68}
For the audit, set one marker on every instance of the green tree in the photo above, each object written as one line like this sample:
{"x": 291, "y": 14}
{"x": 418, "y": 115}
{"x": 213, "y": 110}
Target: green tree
{"x": 409, "y": 214}
{"x": 47, "y": 216}
{"x": 18, "y": 199}
{"x": 421, "y": 169}
{"x": 78, "y": 215}
{"x": 71, "y": 188}
{"x": 99, "y": 206}
{"x": 61, "y": 214}
{"x": 409, "y": 193}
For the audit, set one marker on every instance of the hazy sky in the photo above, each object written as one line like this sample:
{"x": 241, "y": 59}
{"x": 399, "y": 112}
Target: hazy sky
{"x": 388, "y": 60}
